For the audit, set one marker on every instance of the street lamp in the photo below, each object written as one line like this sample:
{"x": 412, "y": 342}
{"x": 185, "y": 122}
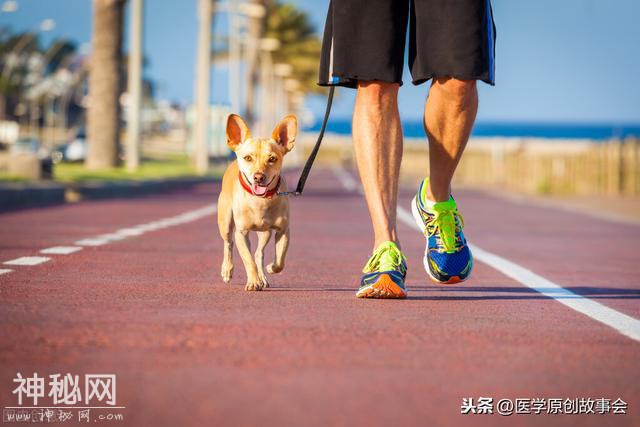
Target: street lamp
{"x": 234, "y": 56}
{"x": 202, "y": 87}
{"x": 267, "y": 46}
{"x": 238, "y": 14}
{"x": 282, "y": 69}
{"x": 54, "y": 85}
{"x": 253, "y": 10}
{"x": 291, "y": 85}
{"x": 281, "y": 72}
{"x": 134, "y": 83}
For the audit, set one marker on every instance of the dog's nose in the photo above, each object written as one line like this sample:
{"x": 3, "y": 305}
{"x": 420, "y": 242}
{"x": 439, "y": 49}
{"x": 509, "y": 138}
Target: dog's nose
{"x": 259, "y": 178}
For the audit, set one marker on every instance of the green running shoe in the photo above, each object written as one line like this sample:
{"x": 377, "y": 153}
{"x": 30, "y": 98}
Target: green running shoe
{"x": 447, "y": 258}
{"x": 384, "y": 273}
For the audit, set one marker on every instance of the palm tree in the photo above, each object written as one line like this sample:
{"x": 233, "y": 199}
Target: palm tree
{"x": 105, "y": 84}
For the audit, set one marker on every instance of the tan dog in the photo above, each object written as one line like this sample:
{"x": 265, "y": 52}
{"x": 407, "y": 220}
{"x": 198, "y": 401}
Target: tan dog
{"x": 249, "y": 200}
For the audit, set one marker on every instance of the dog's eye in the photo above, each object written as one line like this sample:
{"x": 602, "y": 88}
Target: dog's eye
{"x": 247, "y": 158}
{"x": 273, "y": 159}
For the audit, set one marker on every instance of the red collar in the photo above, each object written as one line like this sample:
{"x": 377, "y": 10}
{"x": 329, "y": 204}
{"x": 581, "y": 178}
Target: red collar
{"x": 247, "y": 188}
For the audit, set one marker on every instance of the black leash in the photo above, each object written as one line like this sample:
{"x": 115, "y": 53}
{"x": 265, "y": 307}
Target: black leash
{"x": 314, "y": 152}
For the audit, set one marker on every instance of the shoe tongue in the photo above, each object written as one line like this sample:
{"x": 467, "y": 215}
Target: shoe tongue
{"x": 259, "y": 190}
{"x": 445, "y": 206}
{"x": 388, "y": 256}
{"x": 448, "y": 230}
{"x": 387, "y": 261}
{"x": 385, "y": 246}
{"x": 381, "y": 257}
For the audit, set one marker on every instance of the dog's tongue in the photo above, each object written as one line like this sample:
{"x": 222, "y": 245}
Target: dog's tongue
{"x": 259, "y": 190}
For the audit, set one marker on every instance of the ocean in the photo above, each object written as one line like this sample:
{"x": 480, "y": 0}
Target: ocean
{"x": 599, "y": 132}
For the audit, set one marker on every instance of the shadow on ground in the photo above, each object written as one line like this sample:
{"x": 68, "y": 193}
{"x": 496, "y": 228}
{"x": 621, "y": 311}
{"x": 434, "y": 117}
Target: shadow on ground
{"x": 492, "y": 292}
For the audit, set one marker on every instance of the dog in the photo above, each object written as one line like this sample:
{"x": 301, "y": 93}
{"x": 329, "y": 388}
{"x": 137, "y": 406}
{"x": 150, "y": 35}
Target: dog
{"x": 249, "y": 199}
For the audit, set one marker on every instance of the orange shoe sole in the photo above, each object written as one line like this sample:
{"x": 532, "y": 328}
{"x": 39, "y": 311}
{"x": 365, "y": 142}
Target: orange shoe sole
{"x": 384, "y": 288}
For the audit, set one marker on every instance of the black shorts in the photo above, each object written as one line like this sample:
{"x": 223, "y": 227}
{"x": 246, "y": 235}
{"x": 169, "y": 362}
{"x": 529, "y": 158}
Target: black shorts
{"x": 365, "y": 40}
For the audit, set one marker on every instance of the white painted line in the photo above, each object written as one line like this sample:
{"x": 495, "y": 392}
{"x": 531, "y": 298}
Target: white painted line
{"x": 129, "y": 232}
{"x": 121, "y": 234}
{"x": 28, "y": 260}
{"x": 111, "y": 237}
{"x": 5, "y": 271}
{"x": 146, "y": 227}
{"x": 621, "y": 322}
{"x": 406, "y": 217}
{"x": 626, "y": 325}
{"x": 346, "y": 179}
{"x": 140, "y": 229}
{"x": 61, "y": 250}
{"x": 91, "y": 242}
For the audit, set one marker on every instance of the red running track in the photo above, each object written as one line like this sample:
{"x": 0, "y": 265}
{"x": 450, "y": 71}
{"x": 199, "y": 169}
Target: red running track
{"x": 190, "y": 350}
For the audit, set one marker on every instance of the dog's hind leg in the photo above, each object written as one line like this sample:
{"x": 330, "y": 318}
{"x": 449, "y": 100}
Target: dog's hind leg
{"x": 226, "y": 226}
{"x": 263, "y": 239}
{"x": 282, "y": 244}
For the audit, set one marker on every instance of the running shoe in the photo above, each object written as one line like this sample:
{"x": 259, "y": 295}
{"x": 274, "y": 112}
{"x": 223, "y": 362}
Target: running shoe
{"x": 447, "y": 257}
{"x": 384, "y": 274}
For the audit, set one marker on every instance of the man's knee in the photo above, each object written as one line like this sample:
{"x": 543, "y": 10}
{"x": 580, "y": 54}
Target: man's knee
{"x": 378, "y": 92}
{"x": 456, "y": 88}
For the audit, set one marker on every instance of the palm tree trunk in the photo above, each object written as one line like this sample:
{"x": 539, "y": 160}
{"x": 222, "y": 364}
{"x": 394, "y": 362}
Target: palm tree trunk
{"x": 104, "y": 84}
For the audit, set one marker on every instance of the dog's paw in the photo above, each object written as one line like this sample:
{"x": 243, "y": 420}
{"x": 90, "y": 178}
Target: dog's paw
{"x": 254, "y": 285}
{"x": 226, "y": 273}
{"x": 273, "y": 268}
{"x": 263, "y": 279}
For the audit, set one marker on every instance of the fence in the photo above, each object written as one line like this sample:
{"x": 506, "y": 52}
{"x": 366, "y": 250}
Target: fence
{"x": 533, "y": 166}
{"x": 552, "y": 168}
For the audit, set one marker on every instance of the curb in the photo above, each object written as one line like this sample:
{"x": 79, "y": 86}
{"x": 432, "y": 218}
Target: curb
{"x": 15, "y": 196}
{"x": 93, "y": 190}
{"x": 28, "y": 195}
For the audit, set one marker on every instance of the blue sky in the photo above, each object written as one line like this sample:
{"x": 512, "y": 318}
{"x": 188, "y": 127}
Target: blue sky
{"x": 556, "y": 61}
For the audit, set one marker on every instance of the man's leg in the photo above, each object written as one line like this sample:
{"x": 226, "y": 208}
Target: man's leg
{"x": 449, "y": 114}
{"x": 377, "y": 139}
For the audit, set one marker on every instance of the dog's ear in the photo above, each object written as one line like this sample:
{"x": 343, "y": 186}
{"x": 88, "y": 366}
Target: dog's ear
{"x": 286, "y": 131}
{"x": 237, "y": 131}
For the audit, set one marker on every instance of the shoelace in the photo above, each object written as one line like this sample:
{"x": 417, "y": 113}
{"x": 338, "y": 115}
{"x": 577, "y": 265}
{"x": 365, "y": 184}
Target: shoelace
{"x": 445, "y": 222}
{"x": 385, "y": 258}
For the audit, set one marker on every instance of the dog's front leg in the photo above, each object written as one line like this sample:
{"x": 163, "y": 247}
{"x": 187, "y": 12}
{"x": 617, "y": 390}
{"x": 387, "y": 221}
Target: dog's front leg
{"x": 244, "y": 248}
{"x": 263, "y": 239}
{"x": 282, "y": 244}
{"x": 226, "y": 226}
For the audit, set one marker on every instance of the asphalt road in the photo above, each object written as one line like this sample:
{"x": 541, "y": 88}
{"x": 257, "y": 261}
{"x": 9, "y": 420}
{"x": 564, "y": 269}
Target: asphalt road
{"x": 550, "y": 313}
